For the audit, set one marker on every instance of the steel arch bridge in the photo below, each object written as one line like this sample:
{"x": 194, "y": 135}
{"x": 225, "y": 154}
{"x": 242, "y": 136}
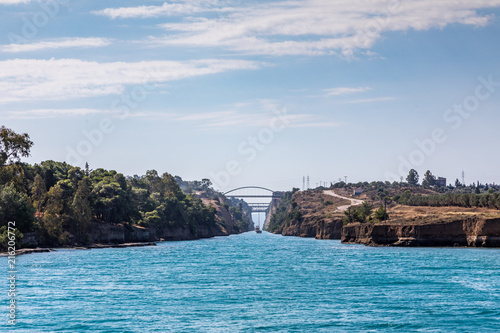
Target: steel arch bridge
{"x": 257, "y": 207}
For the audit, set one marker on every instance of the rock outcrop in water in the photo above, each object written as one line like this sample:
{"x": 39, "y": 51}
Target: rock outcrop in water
{"x": 467, "y": 231}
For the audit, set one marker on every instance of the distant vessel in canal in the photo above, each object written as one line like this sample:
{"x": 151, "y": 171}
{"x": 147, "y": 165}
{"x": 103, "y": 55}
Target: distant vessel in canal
{"x": 257, "y": 230}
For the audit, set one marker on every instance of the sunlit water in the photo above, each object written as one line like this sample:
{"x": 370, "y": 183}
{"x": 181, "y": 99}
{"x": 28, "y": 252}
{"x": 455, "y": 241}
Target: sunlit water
{"x": 257, "y": 283}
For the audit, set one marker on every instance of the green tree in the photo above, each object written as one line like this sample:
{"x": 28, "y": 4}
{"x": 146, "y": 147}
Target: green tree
{"x": 75, "y": 175}
{"x": 429, "y": 179}
{"x": 412, "y": 177}
{"x": 38, "y": 192}
{"x": 366, "y": 209}
{"x": 359, "y": 213}
{"x": 405, "y": 197}
{"x": 5, "y": 237}
{"x": 13, "y": 146}
{"x": 206, "y": 183}
{"x": 82, "y": 211}
{"x": 16, "y": 207}
{"x": 381, "y": 214}
{"x": 54, "y": 216}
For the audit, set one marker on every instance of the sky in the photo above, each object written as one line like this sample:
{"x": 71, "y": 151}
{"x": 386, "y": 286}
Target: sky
{"x": 257, "y": 92}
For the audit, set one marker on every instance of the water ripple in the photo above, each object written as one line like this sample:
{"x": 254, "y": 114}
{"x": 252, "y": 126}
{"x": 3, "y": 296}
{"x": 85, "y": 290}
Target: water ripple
{"x": 258, "y": 283}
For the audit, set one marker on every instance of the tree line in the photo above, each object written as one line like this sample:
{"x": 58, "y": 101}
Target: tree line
{"x": 60, "y": 202}
{"x": 466, "y": 200}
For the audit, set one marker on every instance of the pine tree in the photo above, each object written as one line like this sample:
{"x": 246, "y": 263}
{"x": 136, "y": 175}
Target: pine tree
{"x": 412, "y": 178}
{"x": 82, "y": 211}
{"x": 38, "y": 192}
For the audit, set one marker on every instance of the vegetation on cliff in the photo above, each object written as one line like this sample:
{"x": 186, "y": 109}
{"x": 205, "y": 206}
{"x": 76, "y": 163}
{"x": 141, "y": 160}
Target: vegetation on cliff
{"x": 238, "y": 209}
{"x": 287, "y": 210}
{"x": 363, "y": 214}
{"x": 428, "y": 193}
{"x": 303, "y": 209}
{"x": 400, "y": 205}
{"x": 60, "y": 203}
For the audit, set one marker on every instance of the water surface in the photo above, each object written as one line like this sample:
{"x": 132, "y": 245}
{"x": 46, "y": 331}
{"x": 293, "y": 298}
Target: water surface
{"x": 257, "y": 283}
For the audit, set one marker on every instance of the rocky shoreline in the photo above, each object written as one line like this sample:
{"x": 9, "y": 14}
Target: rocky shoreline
{"x": 93, "y": 246}
{"x": 464, "y": 232}
{"x": 310, "y": 214}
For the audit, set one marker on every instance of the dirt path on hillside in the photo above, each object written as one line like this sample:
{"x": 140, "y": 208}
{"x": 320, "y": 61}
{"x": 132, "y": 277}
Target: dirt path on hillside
{"x": 354, "y": 202}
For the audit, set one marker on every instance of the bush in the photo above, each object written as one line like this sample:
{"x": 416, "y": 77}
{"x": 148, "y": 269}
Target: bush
{"x": 4, "y": 238}
{"x": 381, "y": 214}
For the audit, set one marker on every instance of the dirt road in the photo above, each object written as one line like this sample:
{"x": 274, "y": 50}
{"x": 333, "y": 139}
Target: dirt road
{"x": 354, "y": 202}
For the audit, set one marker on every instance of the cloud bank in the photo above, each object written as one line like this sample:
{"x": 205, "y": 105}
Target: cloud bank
{"x": 308, "y": 27}
{"x": 56, "y": 44}
{"x": 32, "y": 79}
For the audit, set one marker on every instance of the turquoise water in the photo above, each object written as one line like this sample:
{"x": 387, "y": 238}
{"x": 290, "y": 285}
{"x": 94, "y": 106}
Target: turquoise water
{"x": 257, "y": 283}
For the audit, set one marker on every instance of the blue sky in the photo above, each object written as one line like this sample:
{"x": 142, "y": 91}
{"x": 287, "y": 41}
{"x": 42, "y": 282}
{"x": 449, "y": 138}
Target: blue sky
{"x": 256, "y": 92}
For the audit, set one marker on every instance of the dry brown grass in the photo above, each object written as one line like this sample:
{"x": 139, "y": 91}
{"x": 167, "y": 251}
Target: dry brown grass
{"x": 313, "y": 203}
{"x": 419, "y": 214}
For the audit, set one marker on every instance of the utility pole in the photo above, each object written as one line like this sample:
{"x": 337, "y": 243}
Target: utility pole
{"x": 307, "y": 181}
{"x": 303, "y": 183}
{"x": 463, "y": 178}
{"x": 345, "y": 179}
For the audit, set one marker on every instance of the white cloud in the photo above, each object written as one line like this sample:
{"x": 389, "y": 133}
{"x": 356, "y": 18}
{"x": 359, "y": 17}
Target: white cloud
{"x": 56, "y": 44}
{"x": 315, "y": 27}
{"x": 166, "y": 9}
{"x": 31, "y": 79}
{"x": 371, "y": 100}
{"x": 345, "y": 91}
{"x": 254, "y": 113}
{"x": 230, "y": 119}
{"x": 257, "y": 113}
{"x": 13, "y": 2}
{"x": 51, "y": 113}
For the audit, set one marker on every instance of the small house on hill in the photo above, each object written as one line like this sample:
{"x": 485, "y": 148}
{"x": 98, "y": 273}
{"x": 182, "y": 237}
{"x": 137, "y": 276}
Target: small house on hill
{"x": 441, "y": 182}
{"x": 357, "y": 191}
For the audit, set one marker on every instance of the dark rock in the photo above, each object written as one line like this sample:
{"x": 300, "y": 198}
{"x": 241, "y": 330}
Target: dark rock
{"x": 467, "y": 231}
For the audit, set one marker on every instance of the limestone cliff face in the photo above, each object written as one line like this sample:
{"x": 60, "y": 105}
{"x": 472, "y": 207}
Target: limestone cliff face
{"x": 107, "y": 233}
{"x": 306, "y": 214}
{"x": 467, "y": 231}
{"x": 320, "y": 228}
{"x": 329, "y": 229}
{"x": 187, "y": 233}
{"x": 273, "y": 206}
{"x": 118, "y": 234}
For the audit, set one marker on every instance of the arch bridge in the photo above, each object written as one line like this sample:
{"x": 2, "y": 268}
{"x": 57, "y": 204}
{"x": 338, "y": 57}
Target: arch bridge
{"x": 247, "y": 192}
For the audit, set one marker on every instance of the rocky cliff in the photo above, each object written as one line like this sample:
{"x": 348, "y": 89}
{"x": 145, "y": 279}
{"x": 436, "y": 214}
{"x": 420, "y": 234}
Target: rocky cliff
{"x": 273, "y": 208}
{"x": 120, "y": 233}
{"x": 312, "y": 214}
{"x": 307, "y": 214}
{"x": 467, "y": 231}
{"x": 320, "y": 228}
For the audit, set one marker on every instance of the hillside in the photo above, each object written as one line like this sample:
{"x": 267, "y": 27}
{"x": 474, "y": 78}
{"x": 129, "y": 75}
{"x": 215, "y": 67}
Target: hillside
{"x": 308, "y": 214}
{"x": 55, "y": 204}
{"x": 314, "y": 214}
